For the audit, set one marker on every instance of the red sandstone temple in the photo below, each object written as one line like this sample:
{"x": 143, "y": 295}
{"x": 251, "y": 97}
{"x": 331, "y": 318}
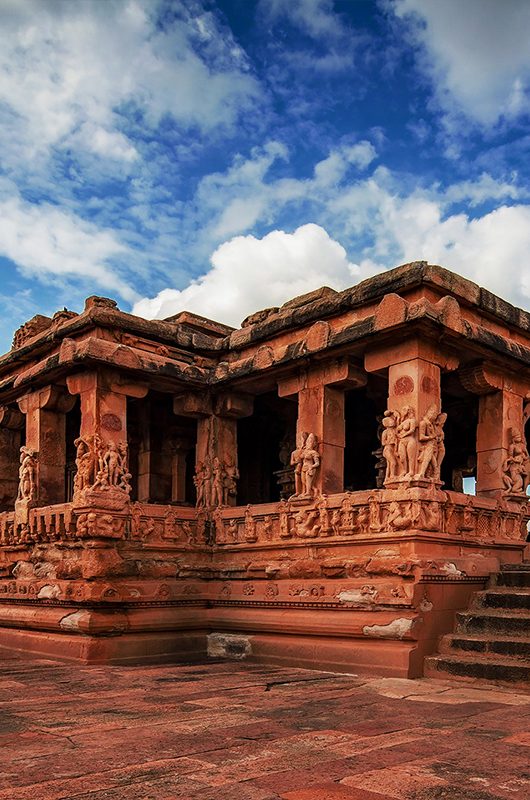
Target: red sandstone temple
{"x": 290, "y": 492}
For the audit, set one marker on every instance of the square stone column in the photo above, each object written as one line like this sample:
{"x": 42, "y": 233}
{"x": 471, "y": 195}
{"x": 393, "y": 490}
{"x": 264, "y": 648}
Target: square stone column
{"x": 412, "y": 436}
{"x": 320, "y": 394}
{"x": 216, "y": 453}
{"x": 102, "y": 451}
{"x": 45, "y": 411}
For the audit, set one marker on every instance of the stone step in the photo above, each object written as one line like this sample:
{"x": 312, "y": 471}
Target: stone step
{"x": 519, "y": 575}
{"x": 502, "y": 597}
{"x": 499, "y": 646}
{"x": 512, "y": 579}
{"x": 478, "y": 668}
{"x": 497, "y": 622}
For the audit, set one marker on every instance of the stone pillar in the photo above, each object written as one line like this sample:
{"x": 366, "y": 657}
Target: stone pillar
{"x": 414, "y": 394}
{"x": 500, "y": 419}
{"x": 11, "y": 431}
{"x": 103, "y": 398}
{"x": 320, "y": 393}
{"x": 216, "y": 436}
{"x": 45, "y": 410}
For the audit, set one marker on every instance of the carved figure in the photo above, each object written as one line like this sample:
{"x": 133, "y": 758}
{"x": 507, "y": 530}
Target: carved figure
{"x": 84, "y": 461}
{"x": 374, "y": 513}
{"x": 347, "y": 512}
{"x": 232, "y": 530}
{"x": 284, "y": 509}
{"x": 407, "y": 445}
{"x": 198, "y": 480}
{"x": 323, "y": 515}
{"x": 310, "y": 465}
{"x": 27, "y": 474}
{"x": 389, "y": 441}
{"x": 429, "y": 435}
{"x": 217, "y": 483}
{"x": 250, "y": 526}
{"x": 516, "y": 465}
{"x": 231, "y": 477}
{"x": 336, "y": 520}
{"x": 112, "y": 462}
{"x": 296, "y": 462}
{"x": 399, "y": 517}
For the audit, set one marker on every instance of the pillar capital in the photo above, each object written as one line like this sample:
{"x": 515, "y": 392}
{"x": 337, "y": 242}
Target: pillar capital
{"x": 49, "y": 398}
{"x": 339, "y": 373}
{"x": 392, "y": 354}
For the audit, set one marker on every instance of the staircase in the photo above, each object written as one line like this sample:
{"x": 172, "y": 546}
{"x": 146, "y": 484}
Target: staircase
{"x": 492, "y": 638}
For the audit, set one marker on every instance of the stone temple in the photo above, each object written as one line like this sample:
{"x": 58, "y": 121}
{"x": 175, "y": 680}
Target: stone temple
{"x": 290, "y": 492}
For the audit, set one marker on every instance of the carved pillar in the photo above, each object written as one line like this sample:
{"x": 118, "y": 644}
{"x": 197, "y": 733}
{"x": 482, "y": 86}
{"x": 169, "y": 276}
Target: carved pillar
{"x": 500, "y": 420}
{"x": 216, "y": 454}
{"x": 103, "y": 398}
{"x": 11, "y": 428}
{"x": 320, "y": 393}
{"x": 45, "y": 411}
{"x": 414, "y": 410}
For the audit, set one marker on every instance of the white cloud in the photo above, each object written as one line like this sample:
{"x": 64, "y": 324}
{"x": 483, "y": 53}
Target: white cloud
{"x": 315, "y": 17}
{"x": 248, "y": 274}
{"x": 476, "y": 52}
{"x": 44, "y": 240}
{"x": 66, "y": 66}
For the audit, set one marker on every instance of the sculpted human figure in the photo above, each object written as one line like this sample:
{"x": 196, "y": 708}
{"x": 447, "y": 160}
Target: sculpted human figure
{"x": 217, "y": 482}
{"x": 428, "y": 435}
{"x": 407, "y": 446}
{"x": 516, "y": 465}
{"x": 124, "y": 475}
{"x": 27, "y": 486}
{"x": 198, "y": 481}
{"x": 231, "y": 477}
{"x": 207, "y": 477}
{"x": 84, "y": 462}
{"x": 296, "y": 462}
{"x": 389, "y": 441}
{"x": 310, "y": 464}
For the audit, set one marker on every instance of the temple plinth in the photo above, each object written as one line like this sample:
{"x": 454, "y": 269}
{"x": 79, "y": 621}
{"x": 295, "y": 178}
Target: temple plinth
{"x": 323, "y": 487}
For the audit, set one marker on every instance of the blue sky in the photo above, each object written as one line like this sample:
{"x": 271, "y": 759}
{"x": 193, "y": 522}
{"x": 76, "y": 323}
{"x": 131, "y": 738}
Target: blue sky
{"x": 225, "y": 155}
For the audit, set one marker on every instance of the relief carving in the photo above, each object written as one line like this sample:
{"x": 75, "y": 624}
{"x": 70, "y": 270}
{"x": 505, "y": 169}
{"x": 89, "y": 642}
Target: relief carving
{"x": 413, "y": 451}
{"x": 101, "y": 465}
{"x": 516, "y": 465}
{"x": 306, "y": 462}
{"x": 215, "y": 482}
{"x": 27, "y": 474}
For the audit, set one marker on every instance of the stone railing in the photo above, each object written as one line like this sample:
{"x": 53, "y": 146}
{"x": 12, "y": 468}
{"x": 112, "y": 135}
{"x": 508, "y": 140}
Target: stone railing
{"x": 365, "y": 514}
{"x": 48, "y": 524}
{"x": 369, "y": 514}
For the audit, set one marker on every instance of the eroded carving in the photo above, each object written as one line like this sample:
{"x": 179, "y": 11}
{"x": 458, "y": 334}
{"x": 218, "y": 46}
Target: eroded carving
{"x": 516, "y": 466}
{"x": 306, "y": 462}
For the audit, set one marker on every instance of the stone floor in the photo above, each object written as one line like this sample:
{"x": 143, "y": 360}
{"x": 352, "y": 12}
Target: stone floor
{"x": 228, "y": 730}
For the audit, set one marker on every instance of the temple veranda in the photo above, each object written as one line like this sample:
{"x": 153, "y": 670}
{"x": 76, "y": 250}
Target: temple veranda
{"x": 289, "y": 492}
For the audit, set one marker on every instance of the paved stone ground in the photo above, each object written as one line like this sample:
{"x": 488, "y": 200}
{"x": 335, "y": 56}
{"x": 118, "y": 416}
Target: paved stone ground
{"x": 227, "y": 730}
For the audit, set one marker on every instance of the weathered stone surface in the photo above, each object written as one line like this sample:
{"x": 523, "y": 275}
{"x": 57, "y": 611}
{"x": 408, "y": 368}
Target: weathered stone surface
{"x": 296, "y": 484}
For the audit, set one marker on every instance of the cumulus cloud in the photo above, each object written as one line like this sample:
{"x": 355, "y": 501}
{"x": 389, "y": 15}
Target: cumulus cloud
{"x": 476, "y": 53}
{"x": 248, "y": 274}
{"x": 44, "y": 240}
